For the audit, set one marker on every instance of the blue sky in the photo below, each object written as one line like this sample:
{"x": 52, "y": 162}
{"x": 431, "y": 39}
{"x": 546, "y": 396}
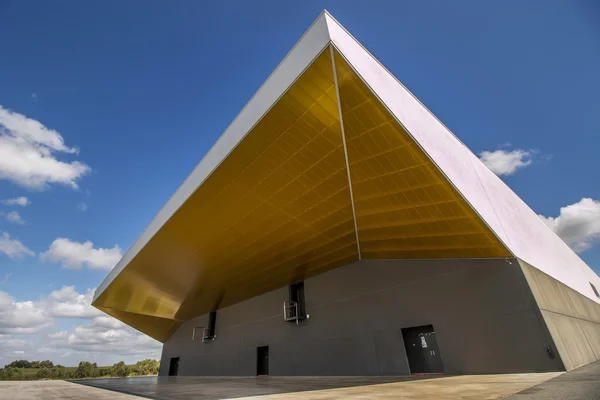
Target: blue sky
{"x": 140, "y": 90}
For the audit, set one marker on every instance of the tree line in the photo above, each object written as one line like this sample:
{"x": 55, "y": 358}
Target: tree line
{"x": 34, "y": 370}
{"x": 32, "y": 364}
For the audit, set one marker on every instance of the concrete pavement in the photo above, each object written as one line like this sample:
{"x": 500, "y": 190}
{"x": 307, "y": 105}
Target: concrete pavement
{"x": 580, "y": 384}
{"x": 468, "y": 387}
{"x": 50, "y": 390}
{"x": 320, "y": 388}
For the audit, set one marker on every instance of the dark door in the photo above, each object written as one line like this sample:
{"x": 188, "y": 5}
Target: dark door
{"x": 174, "y": 366}
{"x": 297, "y": 296}
{"x": 262, "y": 360}
{"x": 422, "y": 350}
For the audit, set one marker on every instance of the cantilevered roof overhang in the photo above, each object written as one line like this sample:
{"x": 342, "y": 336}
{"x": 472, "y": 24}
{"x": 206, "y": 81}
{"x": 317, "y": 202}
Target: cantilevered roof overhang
{"x": 331, "y": 161}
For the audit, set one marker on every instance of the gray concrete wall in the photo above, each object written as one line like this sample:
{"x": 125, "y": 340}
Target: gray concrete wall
{"x": 483, "y": 313}
{"x": 573, "y": 320}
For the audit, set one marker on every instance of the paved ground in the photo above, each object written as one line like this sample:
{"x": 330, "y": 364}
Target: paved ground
{"x": 471, "y": 387}
{"x": 581, "y": 383}
{"x": 50, "y": 390}
{"x": 276, "y": 388}
{"x": 212, "y": 388}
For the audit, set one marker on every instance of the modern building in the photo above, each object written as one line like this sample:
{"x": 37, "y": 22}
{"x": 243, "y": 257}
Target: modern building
{"x": 337, "y": 227}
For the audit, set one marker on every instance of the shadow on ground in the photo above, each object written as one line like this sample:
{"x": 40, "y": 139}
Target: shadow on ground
{"x": 214, "y": 388}
{"x": 581, "y": 383}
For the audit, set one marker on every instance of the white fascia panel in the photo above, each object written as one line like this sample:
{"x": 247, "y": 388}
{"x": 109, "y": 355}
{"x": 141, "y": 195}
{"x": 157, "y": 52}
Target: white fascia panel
{"x": 535, "y": 242}
{"x": 514, "y": 223}
{"x": 312, "y": 43}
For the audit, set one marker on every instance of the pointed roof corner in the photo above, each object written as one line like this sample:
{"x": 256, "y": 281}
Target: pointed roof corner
{"x": 329, "y": 17}
{"x": 331, "y": 23}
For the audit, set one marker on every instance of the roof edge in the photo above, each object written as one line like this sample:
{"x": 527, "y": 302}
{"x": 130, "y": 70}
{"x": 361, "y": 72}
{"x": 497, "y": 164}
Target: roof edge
{"x": 311, "y": 44}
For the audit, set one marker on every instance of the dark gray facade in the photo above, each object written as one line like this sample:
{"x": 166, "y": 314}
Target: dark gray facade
{"x": 483, "y": 312}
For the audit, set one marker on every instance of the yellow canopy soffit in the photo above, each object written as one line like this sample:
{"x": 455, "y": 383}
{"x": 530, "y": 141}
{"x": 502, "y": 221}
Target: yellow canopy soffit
{"x": 325, "y": 178}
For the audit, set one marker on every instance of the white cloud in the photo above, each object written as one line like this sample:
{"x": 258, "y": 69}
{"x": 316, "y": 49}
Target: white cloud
{"x": 75, "y": 255}
{"x": 27, "y": 317}
{"x": 27, "y": 154}
{"x": 25, "y": 331}
{"x": 21, "y": 316}
{"x": 106, "y": 334}
{"x": 5, "y": 279}
{"x": 578, "y": 224}
{"x": 81, "y": 206}
{"x": 34, "y": 96}
{"x": 68, "y": 303}
{"x": 505, "y": 162}
{"x": 13, "y": 248}
{"x": 14, "y": 217}
{"x": 17, "y": 201}
{"x": 7, "y": 342}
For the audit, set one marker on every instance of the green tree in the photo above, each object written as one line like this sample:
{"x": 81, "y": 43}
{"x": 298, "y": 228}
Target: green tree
{"x": 46, "y": 364}
{"x": 119, "y": 369}
{"x": 55, "y": 373}
{"x": 20, "y": 364}
{"x": 146, "y": 367}
{"x": 66, "y": 374}
{"x": 85, "y": 369}
{"x": 11, "y": 374}
{"x": 44, "y": 373}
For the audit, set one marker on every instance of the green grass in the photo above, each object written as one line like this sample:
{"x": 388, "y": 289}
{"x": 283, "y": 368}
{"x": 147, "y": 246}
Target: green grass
{"x": 33, "y": 371}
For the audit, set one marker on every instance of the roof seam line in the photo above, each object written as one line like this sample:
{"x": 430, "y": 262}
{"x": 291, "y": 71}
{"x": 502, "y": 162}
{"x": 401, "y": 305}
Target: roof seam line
{"x": 487, "y": 196}
{"x": 339, "y": 106}
{"x": 435, "y": 164}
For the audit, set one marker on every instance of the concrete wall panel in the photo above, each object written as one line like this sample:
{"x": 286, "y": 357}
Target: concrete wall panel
{"x": 483, "y": 313}
{"x": 572, "y": 319}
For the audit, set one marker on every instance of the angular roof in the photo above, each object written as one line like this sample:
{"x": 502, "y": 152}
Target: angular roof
{"x": 333, "y": 160}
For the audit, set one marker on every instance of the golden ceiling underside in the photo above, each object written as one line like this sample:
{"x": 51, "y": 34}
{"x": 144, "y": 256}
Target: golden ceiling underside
{"x": 405, "y": 207}
{"x": 278, "y": 209}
